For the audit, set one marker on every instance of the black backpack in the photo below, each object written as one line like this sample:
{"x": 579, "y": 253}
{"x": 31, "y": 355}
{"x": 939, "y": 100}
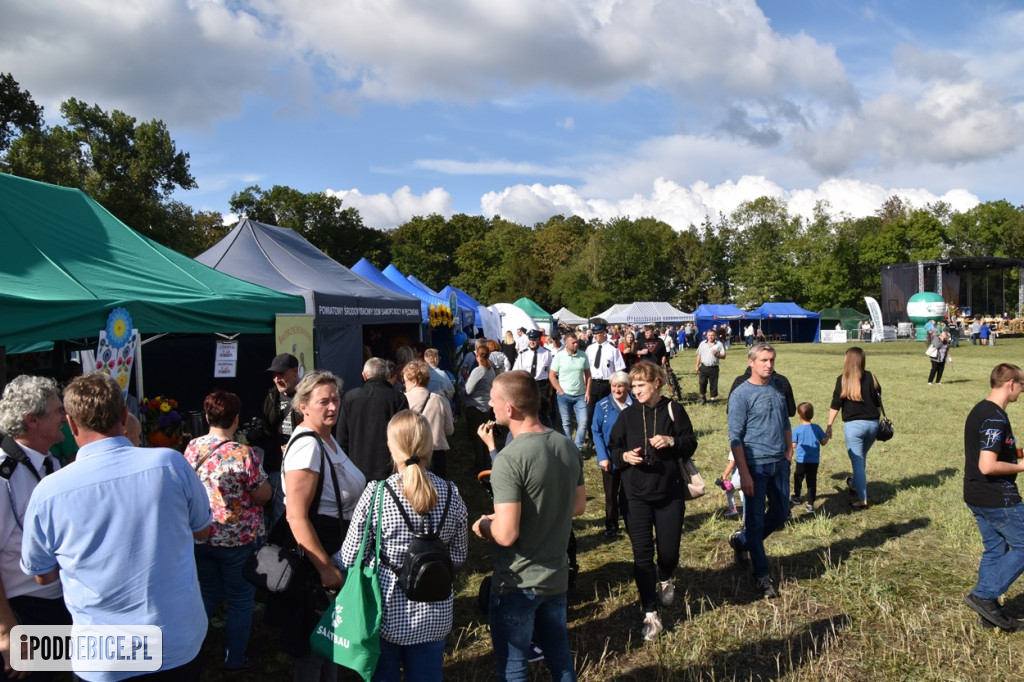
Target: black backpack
{"x": 427, "y": 574}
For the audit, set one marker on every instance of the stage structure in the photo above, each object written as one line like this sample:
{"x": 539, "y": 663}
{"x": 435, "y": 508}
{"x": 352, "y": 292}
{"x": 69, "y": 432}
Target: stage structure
{"x": 988, "y": 287}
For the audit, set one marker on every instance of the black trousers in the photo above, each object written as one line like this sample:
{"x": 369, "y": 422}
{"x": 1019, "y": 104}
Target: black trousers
{"x": 708, "y": 375}
{"x": 481, "y": 455}
{"x": 37, "y": 611}
{"x": 612, "y": 483}
{"x": 439, "y": 463}
{"x": 937, "y": 369}
{"x": 599, "y": 389}
{"x": 654, "y": 524}
{"x": 809, "y": 471}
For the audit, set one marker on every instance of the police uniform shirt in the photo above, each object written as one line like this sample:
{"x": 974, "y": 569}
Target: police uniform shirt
{"x": 605, "y": 360}
{"x": 16, "y": 486}
{"x": 525, "y": 361}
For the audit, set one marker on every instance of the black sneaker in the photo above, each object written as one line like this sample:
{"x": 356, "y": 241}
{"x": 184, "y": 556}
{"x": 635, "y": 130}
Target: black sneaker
{"x": 850, "y": 487}
{"x": 739, "y": 551}
{"x": 794, "y": 501}
{"x": 764, "y": 585}
{"x": 991, "y": 611}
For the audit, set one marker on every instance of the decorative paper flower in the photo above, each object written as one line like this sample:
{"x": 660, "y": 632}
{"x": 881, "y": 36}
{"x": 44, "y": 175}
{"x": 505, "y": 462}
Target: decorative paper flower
{"x": 119, "y": 327}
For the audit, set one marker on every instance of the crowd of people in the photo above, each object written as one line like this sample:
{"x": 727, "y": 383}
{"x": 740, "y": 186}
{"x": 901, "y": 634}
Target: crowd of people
{"x": 308, "y": 481}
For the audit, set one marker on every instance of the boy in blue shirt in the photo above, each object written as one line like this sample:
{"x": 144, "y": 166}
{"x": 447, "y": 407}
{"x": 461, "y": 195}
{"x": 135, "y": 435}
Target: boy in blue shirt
{"x": 807, "y": 439}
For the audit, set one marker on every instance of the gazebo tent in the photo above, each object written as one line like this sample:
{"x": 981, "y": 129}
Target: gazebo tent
{"x": 791, "y": 321}
{"x": 67, "y": 262}
{"x": 465, "y": 301}
{"x": 649, "y": 312}
{"x": 512, "y": 318}
{"x": 713, "y": 315}
{"x": 566, "y": 316}
{"x": 848, "y": 317}
{"x": 342, "y": 304}
{"x": 536, "y": 313}
{"x": 465, "y": 316}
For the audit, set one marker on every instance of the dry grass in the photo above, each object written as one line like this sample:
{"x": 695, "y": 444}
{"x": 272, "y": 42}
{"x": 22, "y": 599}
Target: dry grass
{"x": 867, "y": 595}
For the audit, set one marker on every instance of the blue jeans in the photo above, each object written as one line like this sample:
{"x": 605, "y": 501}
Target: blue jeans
{"x": 860, "y": 436}
{"x": 567, "y": 405}
{"x": 422, "y": 662}
{"x": 771, "y": 483}
{"x": 1002, "y": 536}
{"x": 519, "y": 617}
{"x": 220, "y": 579}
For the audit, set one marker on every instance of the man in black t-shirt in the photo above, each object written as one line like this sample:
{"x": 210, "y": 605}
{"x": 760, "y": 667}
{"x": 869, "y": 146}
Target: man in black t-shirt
{"x": 652, "y": 348}
{"x": 991, "y": 466}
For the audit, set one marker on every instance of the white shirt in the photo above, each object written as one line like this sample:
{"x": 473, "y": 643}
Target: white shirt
{"x": 14, "y": 495}
{"x": 611, "y": 360}
{"x": 524, "y": 361}
{"x": 305, "y": 454}
{"x": 522, "y": 342}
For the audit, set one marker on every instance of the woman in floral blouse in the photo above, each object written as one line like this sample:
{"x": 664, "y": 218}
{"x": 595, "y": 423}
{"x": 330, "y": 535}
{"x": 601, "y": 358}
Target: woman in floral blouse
{"x": 237, "y": 487}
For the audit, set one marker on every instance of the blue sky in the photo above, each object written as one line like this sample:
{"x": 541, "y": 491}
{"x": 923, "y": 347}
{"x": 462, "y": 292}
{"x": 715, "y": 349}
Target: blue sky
{"x": 675, "y": 108}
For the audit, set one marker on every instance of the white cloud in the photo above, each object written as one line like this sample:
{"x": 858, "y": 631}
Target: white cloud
{"x": 681, "y": 206}
{"x": 384, "y": 211}
{"x": 182, "y": 63}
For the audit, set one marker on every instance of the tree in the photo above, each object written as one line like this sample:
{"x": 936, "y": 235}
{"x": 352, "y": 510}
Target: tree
{"x": 318, "y": 217}
{"x": 18, "y": 111}
{"x": 426, "y": 247}
{"x": 766, "y": 267}
{"x": 131, "y": 169}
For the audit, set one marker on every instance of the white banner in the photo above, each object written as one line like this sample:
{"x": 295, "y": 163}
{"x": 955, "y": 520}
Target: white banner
{"x": 876, "y": 319}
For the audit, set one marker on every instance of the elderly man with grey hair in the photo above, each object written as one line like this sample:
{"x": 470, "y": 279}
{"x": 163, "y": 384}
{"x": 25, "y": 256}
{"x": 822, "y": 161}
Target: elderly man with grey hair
{"x": 31, "y": 417}
{"x": 363, "y": 423}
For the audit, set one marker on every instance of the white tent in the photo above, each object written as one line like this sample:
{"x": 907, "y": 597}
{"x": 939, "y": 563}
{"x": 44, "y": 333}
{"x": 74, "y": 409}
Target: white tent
{"x": 512, "y": 318}
{"x": 617, "y": 308}
{"x": 649, "y": 312}
{"x": 566, "y": 316}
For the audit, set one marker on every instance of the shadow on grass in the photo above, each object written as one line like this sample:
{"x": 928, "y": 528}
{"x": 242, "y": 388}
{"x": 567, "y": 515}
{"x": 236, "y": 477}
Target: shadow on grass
{"x": 880, "y": 492}
{"x": 766, "y": 659}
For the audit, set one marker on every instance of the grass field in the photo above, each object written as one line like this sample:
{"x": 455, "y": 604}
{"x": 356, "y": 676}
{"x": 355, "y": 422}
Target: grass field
{"x": 867, "y": 595}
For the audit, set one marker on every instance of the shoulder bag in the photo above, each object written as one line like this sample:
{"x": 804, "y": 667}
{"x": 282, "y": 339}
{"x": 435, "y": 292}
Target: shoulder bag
{"x": 886, "y": 430}
{"x": 691, "y": 474}
{"x": 349, "y": 631}
{"x": 274, "y": 566}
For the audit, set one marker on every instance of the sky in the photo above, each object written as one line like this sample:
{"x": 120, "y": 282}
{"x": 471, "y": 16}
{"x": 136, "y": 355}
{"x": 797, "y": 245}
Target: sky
{"x": 677, "y": 109}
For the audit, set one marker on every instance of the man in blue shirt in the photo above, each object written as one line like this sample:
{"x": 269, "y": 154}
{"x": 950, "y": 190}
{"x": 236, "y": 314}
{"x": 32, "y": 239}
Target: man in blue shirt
{"x": 762, "y": 445}
{"x": 117, "y": 528}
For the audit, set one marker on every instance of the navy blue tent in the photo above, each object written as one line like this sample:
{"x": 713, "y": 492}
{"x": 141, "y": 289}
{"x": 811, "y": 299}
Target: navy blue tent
{"x": 714, "y": 315}
{"x": 790, "y": 322}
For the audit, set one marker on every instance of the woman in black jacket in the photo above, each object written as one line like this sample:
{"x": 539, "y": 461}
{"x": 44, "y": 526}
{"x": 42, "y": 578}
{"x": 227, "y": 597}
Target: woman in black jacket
{"x": 857, "y": 395}
{"x": 648, "y": 444}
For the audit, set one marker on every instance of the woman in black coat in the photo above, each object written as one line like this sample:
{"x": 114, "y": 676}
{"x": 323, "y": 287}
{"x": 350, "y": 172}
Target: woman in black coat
{"x": 648, "y": 444}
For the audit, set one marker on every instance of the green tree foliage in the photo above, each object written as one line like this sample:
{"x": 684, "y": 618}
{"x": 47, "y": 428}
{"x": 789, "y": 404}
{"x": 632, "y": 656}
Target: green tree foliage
{"x": 130, "y": 168}
{"x": 765, "y": 266}
{"x": 18, "y": 111}
{"x": 426, "y": 247}
{"x": 318, "y": 217}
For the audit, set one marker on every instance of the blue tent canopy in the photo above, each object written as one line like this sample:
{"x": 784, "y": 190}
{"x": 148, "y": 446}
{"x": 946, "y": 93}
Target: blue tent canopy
{"x": 714, "y": 315}
{"x": 790, "y": 321}
{"x": 466, "y": 311}
{"x": 466, "y": 302}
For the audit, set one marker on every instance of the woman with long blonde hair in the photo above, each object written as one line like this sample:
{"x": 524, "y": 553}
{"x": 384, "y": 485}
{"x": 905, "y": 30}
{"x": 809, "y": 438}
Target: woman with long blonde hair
{"x": 412, "y": 633}
{"x": 858, "y": 395}
{"x": 628, "y": 349}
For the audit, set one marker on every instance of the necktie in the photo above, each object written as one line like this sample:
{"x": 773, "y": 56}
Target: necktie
{"x": 533, "y": 367}
{"x": 47, "y": 465}
{"x": 597, "y": 357}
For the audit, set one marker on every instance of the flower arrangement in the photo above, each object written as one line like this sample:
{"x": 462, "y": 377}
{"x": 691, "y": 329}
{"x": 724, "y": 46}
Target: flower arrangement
{"x": 161, "y": 422}
{"x": 440, "y": 316}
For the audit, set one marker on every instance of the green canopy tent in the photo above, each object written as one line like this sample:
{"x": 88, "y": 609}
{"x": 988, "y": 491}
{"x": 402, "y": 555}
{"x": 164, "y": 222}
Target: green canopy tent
{"x": 848, "y": 317}
{"x": 67, "y": 262}
{"x": 536, "y": 313}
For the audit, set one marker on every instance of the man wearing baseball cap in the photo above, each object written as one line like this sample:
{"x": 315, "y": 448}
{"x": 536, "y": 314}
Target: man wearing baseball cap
{"x": 281, "y": 419}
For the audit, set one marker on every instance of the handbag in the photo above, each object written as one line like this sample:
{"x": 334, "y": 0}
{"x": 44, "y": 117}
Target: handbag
{"x": 886, "y": 430}
{"x": 931, "y": 351}
{"x": 274, "y": 566}
{"x": 349, "y": 631}
{"x": 694, "y": 481}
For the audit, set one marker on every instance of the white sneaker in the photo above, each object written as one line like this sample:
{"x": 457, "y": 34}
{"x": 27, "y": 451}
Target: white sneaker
{"x": 652, "y": 626}
{"x": 666, "y": 592}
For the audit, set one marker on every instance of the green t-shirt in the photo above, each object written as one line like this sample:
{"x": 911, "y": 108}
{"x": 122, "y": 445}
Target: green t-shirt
{"x": 540, "y": 471}
{"x": 570, "y": 369}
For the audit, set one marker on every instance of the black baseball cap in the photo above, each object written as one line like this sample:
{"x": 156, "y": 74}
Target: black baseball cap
{"x": 283, "y": 363}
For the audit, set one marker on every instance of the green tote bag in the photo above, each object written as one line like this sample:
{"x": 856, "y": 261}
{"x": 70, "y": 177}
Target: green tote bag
{"x": 349, "y": 631}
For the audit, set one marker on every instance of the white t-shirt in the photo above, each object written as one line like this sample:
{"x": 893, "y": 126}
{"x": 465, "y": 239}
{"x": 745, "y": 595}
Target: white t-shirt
{"x": 305, "y": 454}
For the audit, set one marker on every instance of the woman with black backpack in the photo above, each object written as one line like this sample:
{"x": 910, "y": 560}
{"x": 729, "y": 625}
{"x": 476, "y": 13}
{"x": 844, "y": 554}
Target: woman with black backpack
{"x": 423, "y": 537}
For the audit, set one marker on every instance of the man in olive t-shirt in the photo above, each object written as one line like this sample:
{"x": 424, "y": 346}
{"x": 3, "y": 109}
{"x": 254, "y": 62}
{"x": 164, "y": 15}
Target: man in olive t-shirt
{"x": 538, "y": 487}
{"x": 990, "y": 491}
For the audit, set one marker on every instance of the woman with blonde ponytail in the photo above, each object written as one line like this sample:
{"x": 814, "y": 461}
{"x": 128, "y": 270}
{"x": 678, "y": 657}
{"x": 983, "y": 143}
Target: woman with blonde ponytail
{"x": 412, "y": 634}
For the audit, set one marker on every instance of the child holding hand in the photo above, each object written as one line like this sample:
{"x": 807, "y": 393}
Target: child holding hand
{"x": 807, "y": 439}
